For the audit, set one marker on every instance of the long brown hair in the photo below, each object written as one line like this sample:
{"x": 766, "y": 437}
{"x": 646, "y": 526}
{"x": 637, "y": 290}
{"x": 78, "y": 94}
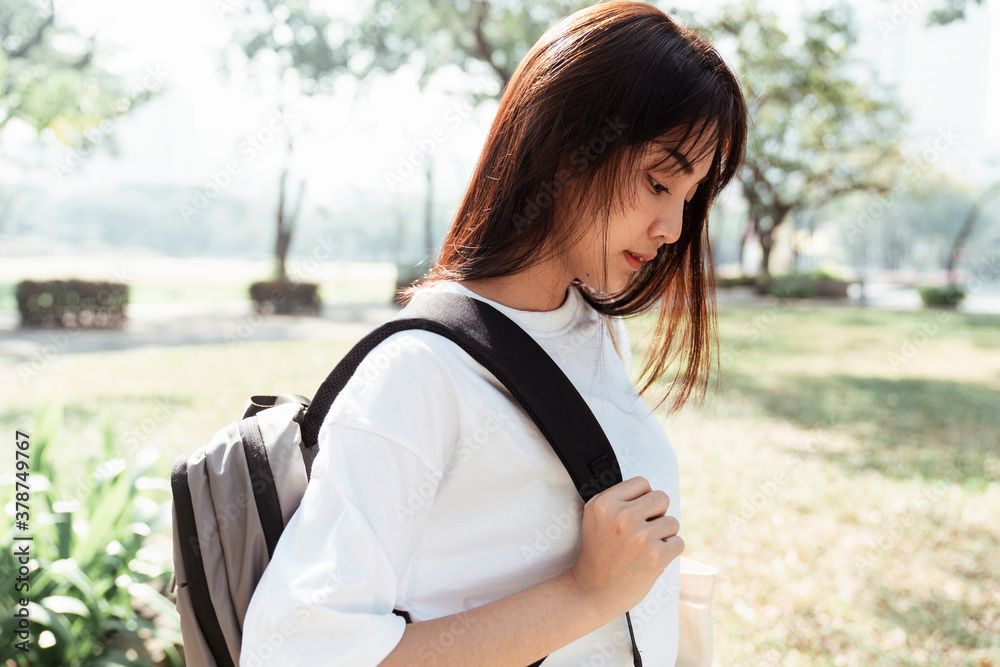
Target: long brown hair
{"x": 599, "y": 92}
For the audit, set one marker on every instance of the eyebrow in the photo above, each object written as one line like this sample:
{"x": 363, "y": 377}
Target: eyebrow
{"x": 680, "y": 159}
{"x": 685, "y": 165}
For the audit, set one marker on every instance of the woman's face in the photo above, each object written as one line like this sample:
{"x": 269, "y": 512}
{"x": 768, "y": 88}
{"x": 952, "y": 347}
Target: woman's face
{"x": 653, "y": 219}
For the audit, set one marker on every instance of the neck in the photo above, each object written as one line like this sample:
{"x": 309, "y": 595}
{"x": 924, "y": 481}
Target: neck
{"x": 528, "y": 290}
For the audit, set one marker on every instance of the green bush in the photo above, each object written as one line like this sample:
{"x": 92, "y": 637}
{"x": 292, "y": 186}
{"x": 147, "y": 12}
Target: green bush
{"x": 826, "y": 274}
{"x": 283, "y": 297}
{"x": 95, "y": 584}
{"x": 736, "y": 281}
{"x": 792, "y": 289}
{"x": 72, "y": 303}
{"x": 942, "y": 296}
{"x": 819, "y": 283}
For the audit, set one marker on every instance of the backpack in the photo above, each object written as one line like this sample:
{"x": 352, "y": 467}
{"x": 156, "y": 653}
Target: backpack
{"x": 233, "y": 497}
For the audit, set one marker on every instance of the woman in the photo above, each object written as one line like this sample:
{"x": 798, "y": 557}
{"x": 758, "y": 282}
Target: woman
{"x": 589, "y": 202}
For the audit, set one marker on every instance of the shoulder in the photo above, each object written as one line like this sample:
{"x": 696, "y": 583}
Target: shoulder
{"x": 403, "y": 362}
{"x": 405, "y": 390}
{"x": 412, "y": 356}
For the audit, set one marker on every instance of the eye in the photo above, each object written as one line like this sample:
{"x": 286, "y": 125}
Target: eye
{"x": 657, "y": 185}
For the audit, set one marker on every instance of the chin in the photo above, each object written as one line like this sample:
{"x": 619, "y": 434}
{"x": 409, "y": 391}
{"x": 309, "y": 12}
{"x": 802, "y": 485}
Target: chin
{"x": 605, "y": 290}
{"x": 615, "y": 285}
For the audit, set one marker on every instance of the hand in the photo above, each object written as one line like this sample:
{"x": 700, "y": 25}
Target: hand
{"x": 627, "y": 541}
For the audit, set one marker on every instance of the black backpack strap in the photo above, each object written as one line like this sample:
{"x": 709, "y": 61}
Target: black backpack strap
{"x": 265, "y": 494}
{"x": 194, "y": 569}
{"x": 519, "y": 363}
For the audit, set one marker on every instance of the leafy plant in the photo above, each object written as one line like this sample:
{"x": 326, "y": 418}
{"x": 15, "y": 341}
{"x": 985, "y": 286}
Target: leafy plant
{"x": 736, "y": 281}
{"x": 946, "y": 296}
{"x": 96, "y": 580}
{"x": 826, "y": 274}
{"x": 793, "y": 288}
{"x": 821, "y": 282}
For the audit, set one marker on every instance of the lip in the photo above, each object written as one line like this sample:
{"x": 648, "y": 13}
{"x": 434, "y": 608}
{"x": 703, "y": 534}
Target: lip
{"x": 645, "y": 257}
{"x": 633, "y": 262}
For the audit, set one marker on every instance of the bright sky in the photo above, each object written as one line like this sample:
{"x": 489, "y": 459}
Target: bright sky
{"x": 195, "y": 126}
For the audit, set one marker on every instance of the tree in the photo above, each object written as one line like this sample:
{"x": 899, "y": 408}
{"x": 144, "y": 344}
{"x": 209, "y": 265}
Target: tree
{"x": 484, "y": 39}
{"x": 52, "y": 79}
{"x": 966, "y": 229}
{"x": 949, "y": 11}
{"x": 301, "y": 50}
{"x": 818, "y": 131}
{"x": 286, "y": 218}
{"x": 49, "y": 73}
{"x": 479, "y": 37}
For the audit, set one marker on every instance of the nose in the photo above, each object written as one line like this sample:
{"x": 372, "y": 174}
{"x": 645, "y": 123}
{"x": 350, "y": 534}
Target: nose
{"x": 667, "y": 226}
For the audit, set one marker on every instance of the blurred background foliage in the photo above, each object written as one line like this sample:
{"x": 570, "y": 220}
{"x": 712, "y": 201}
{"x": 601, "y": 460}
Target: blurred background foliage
{"x": 829, "y": 137}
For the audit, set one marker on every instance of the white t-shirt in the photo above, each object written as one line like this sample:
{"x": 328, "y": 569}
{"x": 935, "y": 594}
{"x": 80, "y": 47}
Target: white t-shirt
{"x": 434, "y": 493}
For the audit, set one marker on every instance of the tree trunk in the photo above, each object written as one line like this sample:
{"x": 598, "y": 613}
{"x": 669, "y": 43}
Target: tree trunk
{"x": 967, "y": 225}
{"x": 292, "y": 220}
{"x": 748, "y": 227}
{"x": 767, "y": 236}
{"x": 286, "y": 223}
{"x": 281, "y": 239}
{"x": 894, "y": 248}
{"x": 766, "y": 242}
{"x": 795, "y": 250}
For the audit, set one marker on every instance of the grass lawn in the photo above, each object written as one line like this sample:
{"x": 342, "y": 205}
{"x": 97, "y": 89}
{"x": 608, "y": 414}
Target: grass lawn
{"x": 843, "y": 476}
{"x": 843, "y": 480}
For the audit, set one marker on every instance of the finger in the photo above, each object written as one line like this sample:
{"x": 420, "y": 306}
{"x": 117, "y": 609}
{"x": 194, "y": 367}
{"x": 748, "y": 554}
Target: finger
{"x": 674, "y": 546}
{"x": 630, "y": 489}
{"x": 666, "y": 527}
{"x": 657, "y": 504}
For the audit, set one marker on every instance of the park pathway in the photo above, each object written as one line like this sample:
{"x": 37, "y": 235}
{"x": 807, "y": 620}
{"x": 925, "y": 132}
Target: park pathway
{"x": 171, "y": 324}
